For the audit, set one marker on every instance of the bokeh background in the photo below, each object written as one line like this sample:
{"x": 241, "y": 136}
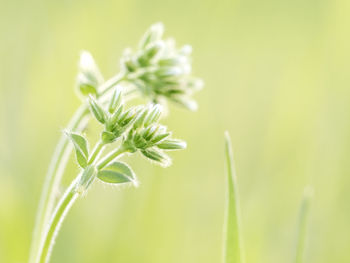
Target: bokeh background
{"x": 277, "y": 76}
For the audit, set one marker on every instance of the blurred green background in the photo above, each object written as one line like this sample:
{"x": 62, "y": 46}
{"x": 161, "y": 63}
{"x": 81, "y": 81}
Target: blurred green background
{"x": 277, "y": 77}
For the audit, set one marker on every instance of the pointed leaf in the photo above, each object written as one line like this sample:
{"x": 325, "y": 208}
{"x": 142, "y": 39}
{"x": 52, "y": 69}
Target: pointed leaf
{"x": 117, "y": 173}
{"x": 232, "y": 228}
{"x": 81, "y": 148}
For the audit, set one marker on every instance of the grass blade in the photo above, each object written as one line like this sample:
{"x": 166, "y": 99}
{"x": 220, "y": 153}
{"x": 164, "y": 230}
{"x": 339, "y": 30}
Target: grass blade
{"x": 233, "y": 247}
{"x": 302, "y": 225}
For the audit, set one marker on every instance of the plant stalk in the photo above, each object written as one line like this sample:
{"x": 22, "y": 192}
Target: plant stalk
{"x": 56, "y": 170}
{"x": 111, "y": 157}
{"x": 66, "y": 203}
{"x": 96, "y": 152}
{"x": 60, "y": 213}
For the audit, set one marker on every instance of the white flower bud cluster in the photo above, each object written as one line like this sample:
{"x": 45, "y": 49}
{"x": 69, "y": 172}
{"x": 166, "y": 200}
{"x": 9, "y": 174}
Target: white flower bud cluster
{"x": 151, "y": 138}
{"x": 160, "y": 70}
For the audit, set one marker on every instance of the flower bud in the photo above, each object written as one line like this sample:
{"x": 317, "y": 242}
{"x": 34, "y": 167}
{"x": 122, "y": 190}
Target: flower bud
{"x": 185, "y": 102}
{"x": 89, "y": 77}
{"x": 186, "y": 50}
{"x": 114, "y": 118}
{"x": 115, "y": 101}
{"x": 158, "y": 156}
{"x": 195, "y": 84}
{"x": 175, "y": 61}
{"x": 172, "y": 144}
{"x": 86, "y": 86}
{"x": 108, "y": 137}
{"x": 149, "y": 132}
{"x": 154, "y": 33}
{"x": 166, "y": 72}
{"x": 159, "y": 138}
{"x": 97, "y": 110}
{"x": 154, "y": 49}
{"x": 153, "y": 115}
{"x": 140, "y": 119}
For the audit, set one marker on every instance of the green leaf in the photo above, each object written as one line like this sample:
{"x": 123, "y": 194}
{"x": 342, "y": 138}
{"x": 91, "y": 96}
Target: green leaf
{"x": 302, "y": 225}
{"x": 117, "y": 173}
{"x": 233, "y": 246}
{"x": 81, "y": 148}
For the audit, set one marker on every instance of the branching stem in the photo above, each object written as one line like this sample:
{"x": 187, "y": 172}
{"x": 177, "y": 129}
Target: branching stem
{"x": 67, "y": 201}
{"x": 97, "y": 150}
{"x": 56, "y": 170}
{"x": 111, "y": 157}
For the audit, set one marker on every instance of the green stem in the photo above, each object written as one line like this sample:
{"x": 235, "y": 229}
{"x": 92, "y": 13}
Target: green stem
{"x": 56, "y": 170}
{"x": 61, "y": 211}
{"x": 97, "y": 150}
{"x": 66, "y": 203}
{"x": 111, "y": 157}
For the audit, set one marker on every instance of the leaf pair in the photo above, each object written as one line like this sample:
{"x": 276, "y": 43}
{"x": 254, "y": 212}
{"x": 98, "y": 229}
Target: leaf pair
{"x": 115, "y": 173}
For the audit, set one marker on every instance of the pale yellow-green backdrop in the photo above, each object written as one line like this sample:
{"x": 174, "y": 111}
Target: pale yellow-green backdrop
{"x": 277, "y": 76}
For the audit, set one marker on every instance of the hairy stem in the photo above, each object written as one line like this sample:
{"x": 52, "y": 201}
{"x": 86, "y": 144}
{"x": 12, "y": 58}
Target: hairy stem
{"x": 66, "y": 203}
{"x": 56, "y": 170}
{"x": 111, "y": 157}
{"x": 60, "y": 213}
{"x": 97, "y": 150}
